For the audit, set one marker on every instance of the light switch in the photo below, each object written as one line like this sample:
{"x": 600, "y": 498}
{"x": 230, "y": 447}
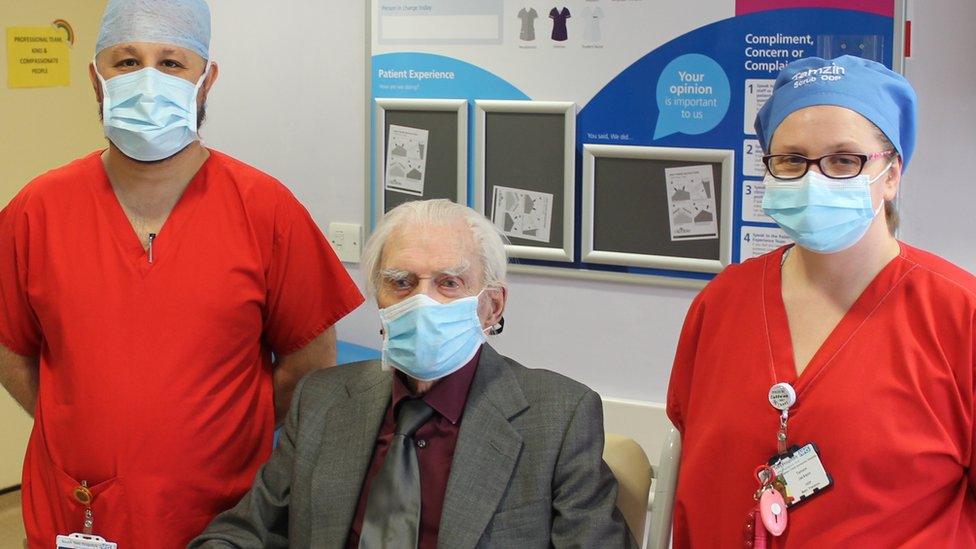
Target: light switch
{"x": 346, "y": 240}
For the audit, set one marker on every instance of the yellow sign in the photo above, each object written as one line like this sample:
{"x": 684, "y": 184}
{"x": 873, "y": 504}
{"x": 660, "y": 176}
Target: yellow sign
{"x": 37, "y": 57}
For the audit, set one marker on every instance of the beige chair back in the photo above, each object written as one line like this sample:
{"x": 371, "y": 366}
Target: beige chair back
{"x": 665, "y": 483}
{"x": 630, "y": 465}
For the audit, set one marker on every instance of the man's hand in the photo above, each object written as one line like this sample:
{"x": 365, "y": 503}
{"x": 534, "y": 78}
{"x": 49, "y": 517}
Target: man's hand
{"x": 18, "y": 374}
{"x": 289, "y": 369}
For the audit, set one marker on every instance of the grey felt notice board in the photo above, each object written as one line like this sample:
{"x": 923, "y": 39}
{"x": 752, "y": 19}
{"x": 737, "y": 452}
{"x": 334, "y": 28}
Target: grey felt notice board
{"x": 657, "y": 207}
{"x": 436, "y": 133}
{"x": 525, "y": 174}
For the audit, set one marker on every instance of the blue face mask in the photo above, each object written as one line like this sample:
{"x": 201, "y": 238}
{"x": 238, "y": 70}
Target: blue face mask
{"x": 821, "y": 214}
{"x": 428, "y": 340}
{"x": 150, "y": 115}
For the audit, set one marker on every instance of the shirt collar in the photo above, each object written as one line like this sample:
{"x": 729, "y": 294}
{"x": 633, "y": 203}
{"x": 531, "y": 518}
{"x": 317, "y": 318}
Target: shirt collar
{"x": 448, "y": 396}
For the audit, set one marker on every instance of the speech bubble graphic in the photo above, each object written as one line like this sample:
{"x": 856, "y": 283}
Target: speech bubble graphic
{"x": 692, "y": 96}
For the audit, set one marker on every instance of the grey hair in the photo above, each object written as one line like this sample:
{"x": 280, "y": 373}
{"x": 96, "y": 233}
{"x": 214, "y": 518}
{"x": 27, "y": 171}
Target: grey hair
{"x": 488, "y": 240}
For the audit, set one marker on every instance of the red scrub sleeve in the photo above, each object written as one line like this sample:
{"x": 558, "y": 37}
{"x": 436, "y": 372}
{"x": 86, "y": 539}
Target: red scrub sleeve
{"x": 679, "y": 388}
{"x": 972, "y": 451}
{"x": 309, "y": 290}
{"x": 19, "y": 330}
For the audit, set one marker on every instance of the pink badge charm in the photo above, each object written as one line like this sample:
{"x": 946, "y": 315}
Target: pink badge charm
{"x": 772, "y": 508}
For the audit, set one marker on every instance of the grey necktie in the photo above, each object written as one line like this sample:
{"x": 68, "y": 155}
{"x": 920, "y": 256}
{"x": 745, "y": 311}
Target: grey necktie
{"x": 392, "y": 517}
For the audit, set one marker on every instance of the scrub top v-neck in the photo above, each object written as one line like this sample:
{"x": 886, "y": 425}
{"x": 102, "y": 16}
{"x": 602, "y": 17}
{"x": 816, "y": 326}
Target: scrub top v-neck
{"x": 784, "y": 367}
{"x": 155, "y": 379}
{"x": 130, "y": 244}
{"x": 888, "y": 400}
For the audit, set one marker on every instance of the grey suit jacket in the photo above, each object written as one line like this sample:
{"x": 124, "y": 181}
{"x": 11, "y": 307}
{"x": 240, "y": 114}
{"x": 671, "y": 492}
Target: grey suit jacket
{"x": 527, "y": 471}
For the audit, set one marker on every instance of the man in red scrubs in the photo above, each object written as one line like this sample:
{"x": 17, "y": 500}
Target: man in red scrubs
{"x": 158, "y": 302}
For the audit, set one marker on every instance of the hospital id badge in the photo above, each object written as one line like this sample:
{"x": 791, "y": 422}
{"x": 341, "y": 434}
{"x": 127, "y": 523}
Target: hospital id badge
{"x": 802, "y": 473}
{"x": 83, "y": 541}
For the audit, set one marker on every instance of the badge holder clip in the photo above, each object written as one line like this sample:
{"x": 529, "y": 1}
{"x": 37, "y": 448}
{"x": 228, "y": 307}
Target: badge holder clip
{"x": 84, "y": 540}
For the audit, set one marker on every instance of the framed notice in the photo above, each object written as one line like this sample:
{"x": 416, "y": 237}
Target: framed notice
{"x": 657, "y": 207}
{"x": 524, "y": 175}
{"x": 421, "y": 152}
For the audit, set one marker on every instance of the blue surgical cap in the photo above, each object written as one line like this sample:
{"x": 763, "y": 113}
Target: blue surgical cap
{"x": 866, "y": 87}
{"x": 183, "y": 23}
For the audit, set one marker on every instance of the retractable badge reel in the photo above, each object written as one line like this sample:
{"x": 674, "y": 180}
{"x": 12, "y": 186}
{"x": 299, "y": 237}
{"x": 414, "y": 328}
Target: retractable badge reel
{"x": 782, "y": 396}
{"x": 86, "y": 540}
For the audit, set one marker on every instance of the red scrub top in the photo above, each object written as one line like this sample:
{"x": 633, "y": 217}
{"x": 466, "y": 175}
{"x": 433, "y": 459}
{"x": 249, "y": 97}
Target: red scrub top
{"x": 155, "y": 379}
{"x": 888, "y": 399}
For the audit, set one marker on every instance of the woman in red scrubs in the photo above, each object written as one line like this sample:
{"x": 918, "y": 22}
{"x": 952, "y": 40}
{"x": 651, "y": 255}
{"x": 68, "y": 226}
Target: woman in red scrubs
{"x": 825, "y": 391}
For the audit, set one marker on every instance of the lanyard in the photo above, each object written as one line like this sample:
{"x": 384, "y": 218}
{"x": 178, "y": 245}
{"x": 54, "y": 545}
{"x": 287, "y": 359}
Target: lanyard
{"x": 782, "y": 396}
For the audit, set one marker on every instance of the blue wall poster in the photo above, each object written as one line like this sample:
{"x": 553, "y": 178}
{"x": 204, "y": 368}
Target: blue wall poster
{"x": 641, "y": 72}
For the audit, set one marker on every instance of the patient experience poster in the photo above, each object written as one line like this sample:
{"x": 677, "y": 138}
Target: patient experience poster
{"x": 641, "y": 72}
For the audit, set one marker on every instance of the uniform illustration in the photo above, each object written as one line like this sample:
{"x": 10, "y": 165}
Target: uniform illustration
{"x": 559, "y": 17}
{"x": 593, "y": 16}
{"x": 528, "y": 17}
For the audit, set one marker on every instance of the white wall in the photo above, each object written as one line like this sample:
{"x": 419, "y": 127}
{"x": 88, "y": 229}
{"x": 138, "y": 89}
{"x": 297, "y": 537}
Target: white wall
{"x": 938, "y": 192}
{"x": 291, "y": 100}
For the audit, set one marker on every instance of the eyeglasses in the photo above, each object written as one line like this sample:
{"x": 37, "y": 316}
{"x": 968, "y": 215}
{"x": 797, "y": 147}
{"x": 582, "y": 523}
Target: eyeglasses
{"x": 835, "y": 166}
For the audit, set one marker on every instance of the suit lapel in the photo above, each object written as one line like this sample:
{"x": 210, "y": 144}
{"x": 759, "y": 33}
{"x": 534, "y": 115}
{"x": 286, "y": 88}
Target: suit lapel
{"x": 487, "y": 450}
{"x": 350, "y": 430}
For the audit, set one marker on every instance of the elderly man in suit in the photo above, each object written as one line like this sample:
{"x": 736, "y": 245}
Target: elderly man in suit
{"x": 444, "y": 442}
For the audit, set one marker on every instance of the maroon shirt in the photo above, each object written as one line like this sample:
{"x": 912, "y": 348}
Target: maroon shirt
{"x": 434, "y": 440}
